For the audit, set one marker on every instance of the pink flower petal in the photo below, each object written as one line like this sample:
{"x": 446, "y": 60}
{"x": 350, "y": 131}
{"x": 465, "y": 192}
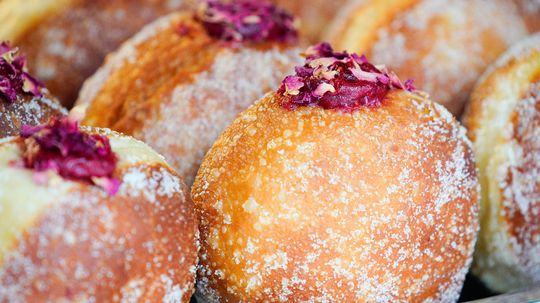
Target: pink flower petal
{"x": 324, "y": 88}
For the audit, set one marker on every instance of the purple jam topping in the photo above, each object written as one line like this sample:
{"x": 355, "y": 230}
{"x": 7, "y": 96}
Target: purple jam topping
{"x": 247, "y": 20}
{"x": 338, "y": 80}
{"x": 60, "y": 146}
{"x": 14, "y": 77}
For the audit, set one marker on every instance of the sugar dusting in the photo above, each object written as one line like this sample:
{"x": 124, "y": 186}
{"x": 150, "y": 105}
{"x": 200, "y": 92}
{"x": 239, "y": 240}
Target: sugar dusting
{"x": 127, "y": 52}
{"x": 194, "y": 114}
{"x": 518, "y": 52}
{"x": 532, "y": 6}
{"x": 505, "y": 123}
{"x": 452, "y": 57}
{"x": 87, "y": 246}
{"x": 30, "y": 111}
{"x": 63, "y": 51}
{"x": 524, "y": 169}
{"x": 191, "y": 115}
{"x": 287, "y": 212}
{"x": 520, "y": 186}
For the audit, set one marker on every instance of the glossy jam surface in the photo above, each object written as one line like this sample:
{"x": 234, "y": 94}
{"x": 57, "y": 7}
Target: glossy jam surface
{"x": 338, "y": 80}
{"x": 247, "y": 20}
{"x": 14, "y": 78}
{"x": 62, "y": 147}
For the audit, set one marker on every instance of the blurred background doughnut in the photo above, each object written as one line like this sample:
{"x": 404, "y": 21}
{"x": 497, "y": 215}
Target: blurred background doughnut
{"x": 314, "y": 15}
{"x": 504, "y": 123}
{"x": 88, "y": 215}
{"x": 180, "y": 81}
{"x": 66, "y": 40}
{"x": 443, "y": 45}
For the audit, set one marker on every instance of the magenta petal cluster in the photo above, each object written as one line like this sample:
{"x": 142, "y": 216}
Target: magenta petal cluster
{"x": 247, "y": 20}
{"x": 75, "y": 155}
{"x": 14, "y": 77}
{"x": 338, "y": 80}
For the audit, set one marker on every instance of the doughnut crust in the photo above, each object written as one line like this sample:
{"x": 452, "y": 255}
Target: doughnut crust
{"x": 443, "y": 45}
{"x": 179, "y": 91}
{"x": 504, "y": 124}
{"x": 28, "y": 110}
{"x": 70, "y": 241}
{"x": 314, "y": 205}
{"x": 66, "y": 40}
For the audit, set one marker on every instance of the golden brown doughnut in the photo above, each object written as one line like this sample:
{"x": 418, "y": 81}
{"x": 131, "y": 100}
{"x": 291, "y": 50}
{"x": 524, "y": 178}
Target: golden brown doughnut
{"x": 23, "y": 100}
{"x": 105, "y": 220}
{"x": 342, "y": 186}
{"x": 504, "y": 124}
{"x": 66, "y": 40}
{"x": 176, "y": 86}
{"x": 443, "y": 45}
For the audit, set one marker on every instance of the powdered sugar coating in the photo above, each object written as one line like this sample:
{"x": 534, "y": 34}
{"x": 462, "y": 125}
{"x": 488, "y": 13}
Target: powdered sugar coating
{"x": 28, "y": 111}
{"x": 127, "y": 52}
{"x": 525, "y": 174}
{"x": 64, "y": 51}
{"x": 456, "y": 56}
{"x": 519, "y": 52}
{"x": 288, "y": 213}
{"x": 74, "y": 242}
{"x": 504, "y": 122}
{"x": 443, "y": 45}
{"x": 191, "y": 105}
{"x": 214, "y": 99}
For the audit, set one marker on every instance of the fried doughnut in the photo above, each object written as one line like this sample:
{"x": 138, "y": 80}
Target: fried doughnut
{"x": 443, "y": 45}
{"x": 88, "y": 215}
{"x": 66, "y": 40}
{"x": 504, "y": 124}
{"x": 345, "y": 185}
{"x": 180, "y": 81}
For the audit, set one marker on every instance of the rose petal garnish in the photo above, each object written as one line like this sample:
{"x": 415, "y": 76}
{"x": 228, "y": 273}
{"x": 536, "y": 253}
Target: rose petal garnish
{"x": 31, "y": 85}
{"x": 364, "y": 76}
{"x": 109, "y": 185}
{"x": 14, "y": 77}
{"x": 324, "y": 88}
{"x": 4, "y": 48}
{"x": 247, "y": 20}
{"x": 339, "y": 80}
{"x": 409, "y": 85}
{"x": 74, "y": 155}
{"x": 293, "y": 84}
{"x": 324, "y": 62}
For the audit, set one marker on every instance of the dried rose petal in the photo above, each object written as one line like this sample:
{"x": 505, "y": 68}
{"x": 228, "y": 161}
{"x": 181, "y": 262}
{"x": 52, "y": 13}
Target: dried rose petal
{"x": 247, "y": 20}
{"x": 338, "y": 80}
{"x": 4, "y": 48}
{"x": 323, "y": 88}
{"x": 293, "y": 84}
{"x": 61, "y": 147}
{"x": 14, "y": 77}
{"x": 366, "y": 76}
{"x": 409, "y": 85}
{"x": 109, "y": 185}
